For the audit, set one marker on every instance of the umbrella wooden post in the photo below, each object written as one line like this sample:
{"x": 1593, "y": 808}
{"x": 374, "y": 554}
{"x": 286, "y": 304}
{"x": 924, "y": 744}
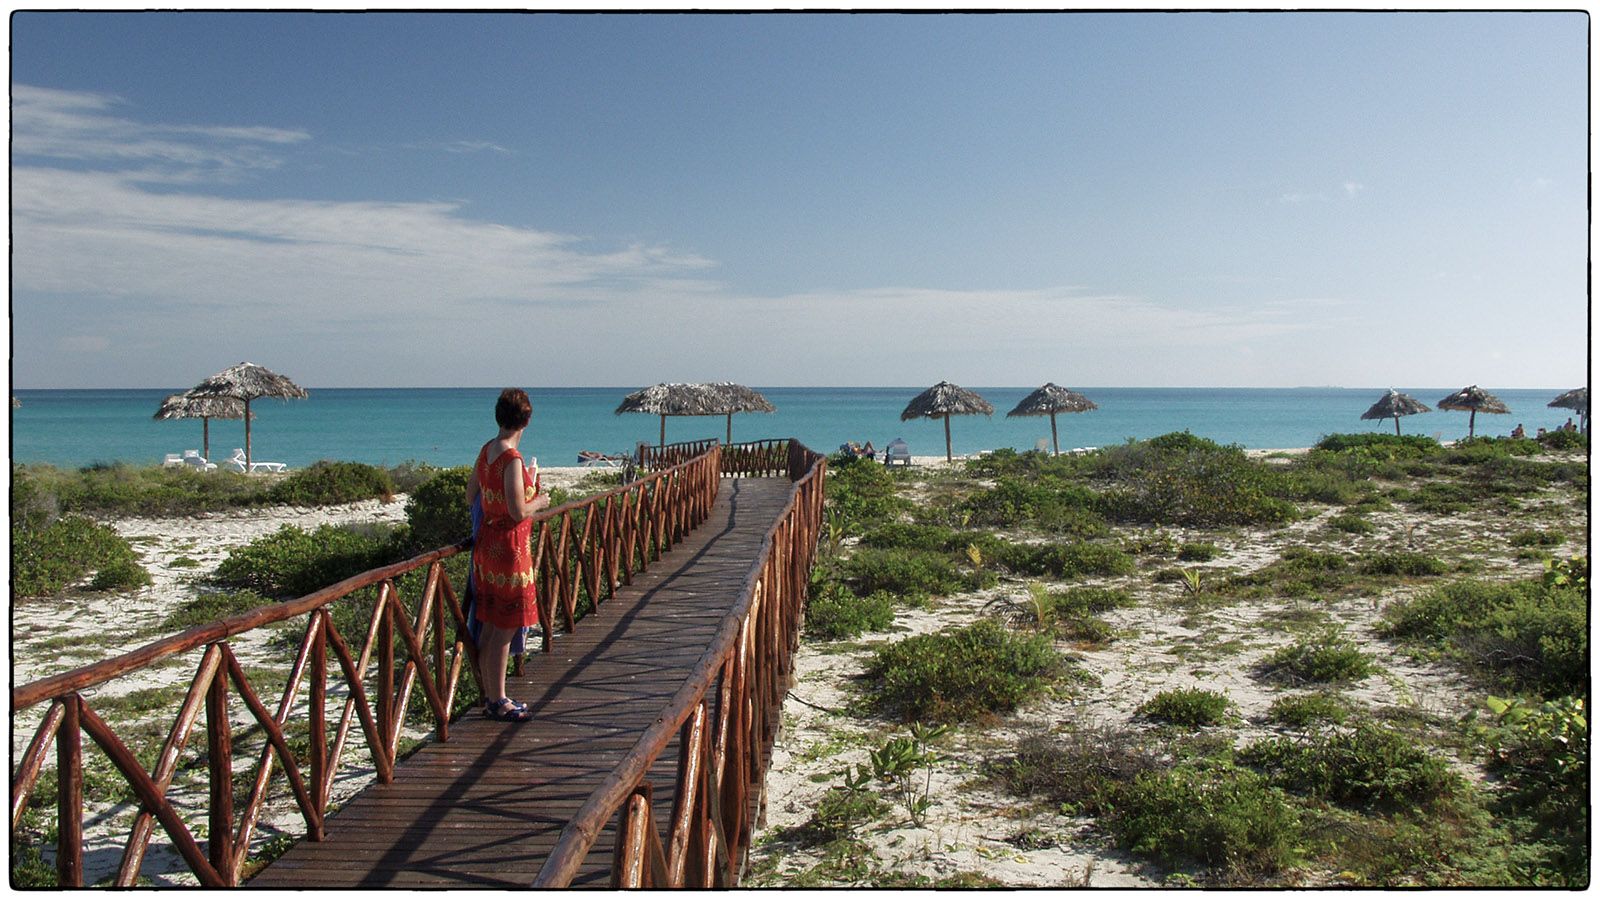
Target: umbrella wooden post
{"x": 947, "y": 456}
{"x": 729, "y": 441}
{"x": 1472, "y": 424}
{"x": 1055, "y": 442}
{"x": 205, "y": 437}
{"x": 247, "y": 435}
{"x": 1396, "y": 426}
{"x": 663, "y": 429}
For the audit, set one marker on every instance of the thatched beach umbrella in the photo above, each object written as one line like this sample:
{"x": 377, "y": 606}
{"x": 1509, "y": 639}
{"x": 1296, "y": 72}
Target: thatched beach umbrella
{"x": 672, "y": 399}
{"x": 185, "y": 406}
{"x": 736, "y": 398}
{"x": 246, "y": 382}
{"x": 1576, "y": 400}
{"x": 1049, "y": 400}
{"x": 1475, "y": 400}
{"x": 942, "y": 401}
{"x": 1393, "y": 405}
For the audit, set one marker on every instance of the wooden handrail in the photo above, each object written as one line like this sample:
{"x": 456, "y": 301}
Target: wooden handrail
{"x": 744, "y": 672}
{"x": 623, "y": 530}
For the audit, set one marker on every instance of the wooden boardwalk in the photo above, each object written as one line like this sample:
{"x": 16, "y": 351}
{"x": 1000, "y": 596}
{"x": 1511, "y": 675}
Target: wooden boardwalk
{"x": 484, "y": 809}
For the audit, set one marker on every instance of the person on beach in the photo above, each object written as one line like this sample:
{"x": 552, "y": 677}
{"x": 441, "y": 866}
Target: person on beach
{"x": 504, "y": 587}
{"x": 1518, "y": 433}
{"x": 1569, "y": 426}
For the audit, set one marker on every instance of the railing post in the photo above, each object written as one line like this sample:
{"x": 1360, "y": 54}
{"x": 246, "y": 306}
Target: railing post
{"x": 219, "y": 757}
{"x": 69, "y": 794}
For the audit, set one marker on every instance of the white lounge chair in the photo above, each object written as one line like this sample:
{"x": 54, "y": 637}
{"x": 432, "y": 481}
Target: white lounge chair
{"x": 236, "y": 463}
{"x": 193, "y": 458}
{"x": 897, "y": 451}
{"x": 172, "y": 461}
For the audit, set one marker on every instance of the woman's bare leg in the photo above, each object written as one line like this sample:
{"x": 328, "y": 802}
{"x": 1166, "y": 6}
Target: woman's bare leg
{"x": 493, "y": 654}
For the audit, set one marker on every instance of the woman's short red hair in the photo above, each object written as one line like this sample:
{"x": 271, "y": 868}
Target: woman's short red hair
{"x": 512, "y": 410}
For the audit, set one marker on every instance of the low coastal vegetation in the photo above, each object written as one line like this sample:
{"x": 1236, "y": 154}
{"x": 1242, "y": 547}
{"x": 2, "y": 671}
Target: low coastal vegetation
{"x": 1194, "y": 665}
{"x": 1331, "y": 668}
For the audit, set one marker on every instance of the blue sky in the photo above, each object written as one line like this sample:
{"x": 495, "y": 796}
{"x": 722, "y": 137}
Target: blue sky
{"x": 1194, "y": 199}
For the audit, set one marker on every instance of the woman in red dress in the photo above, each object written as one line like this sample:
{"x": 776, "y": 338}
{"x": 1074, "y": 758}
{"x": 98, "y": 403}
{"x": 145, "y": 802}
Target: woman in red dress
{"x": 502, "y": 558}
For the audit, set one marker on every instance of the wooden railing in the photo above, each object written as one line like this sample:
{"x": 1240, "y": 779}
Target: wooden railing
{"x": 582, "y": 549}
{"x": 753, "y": 459}
{"x": 721, "y": 723}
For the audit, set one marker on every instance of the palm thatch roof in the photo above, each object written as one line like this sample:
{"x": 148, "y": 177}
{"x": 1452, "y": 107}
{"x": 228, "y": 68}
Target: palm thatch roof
{"x": 187, "y": 406}
{"x": 945, "y": 399}
{"x": 1394, "y": 405}
{"x": 722, "y": 398}
{"x": 1576, "y": 400}
{"x": 672, "y": 399}
{"x": 248, "y": 381}
{"x": 1051, "y": 399}
{"x": 736, "y": 398}
{"x": 1474, "y": 399}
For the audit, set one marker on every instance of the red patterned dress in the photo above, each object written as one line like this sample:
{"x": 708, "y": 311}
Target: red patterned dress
{"x": 502, "y": 560}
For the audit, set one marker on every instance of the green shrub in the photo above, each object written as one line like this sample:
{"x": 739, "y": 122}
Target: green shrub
{"x": 1530, "y": 635}
{"x": 1047, "y": 504}
{"x": 1305, "y": 710}
{"x": 1542, "y": 752}
{"x": 410, "y": 475}
{"x": 1402, "y": 562}
{"x": 123, "y": 574}
{"x": 841, "y": 812}
{"x": 1082, "y": 769}
{"x": 861, "y": 495}
{"x": 1067, "y": 560}
{"x": 437, "y": 511}
{"x": 293, "y": 562}
{"x": 1364, "y": 767}
{"x": 1564, "y": 440}
{"x": 1193, "y": 707}
{"x": 1228, "y": 819}
{"x": 834, "y": 613}
{"x": 50, "y": 557}
{"x": 1380, "y": 446}
{"x": 1351, "y": 523}
{"x": 211, "y": 606}
{"x": 1532, "y": 538}
{"x": 1198, "y": 552}
{"x": 907, "y": 536}
{"x": 1299, "y": 572}
{"x": 1327, "y": 658}
{"x": 1180, "y": 479}
{"x": 959, "y": 674}
{"x": 327, "y": 482}
{"x": 121, "y": 489}
{"x": 907, "y": 573}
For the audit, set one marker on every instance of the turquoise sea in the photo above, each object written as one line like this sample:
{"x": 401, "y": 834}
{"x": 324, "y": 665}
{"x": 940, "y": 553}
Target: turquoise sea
{"x": 445, "y": 426}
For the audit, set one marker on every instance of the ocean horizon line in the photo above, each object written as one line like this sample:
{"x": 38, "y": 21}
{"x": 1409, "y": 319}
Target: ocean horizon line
{"x": 835, "y": 387}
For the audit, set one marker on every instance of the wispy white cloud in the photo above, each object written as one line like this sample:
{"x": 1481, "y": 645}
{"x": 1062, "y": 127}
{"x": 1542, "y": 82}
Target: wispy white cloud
{"x": 82, "y": 127}
{"x": 1352, "y": 188}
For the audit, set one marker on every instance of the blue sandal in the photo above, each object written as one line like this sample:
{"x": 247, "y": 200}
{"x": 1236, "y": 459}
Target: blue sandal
{"x": 507, "y": 710}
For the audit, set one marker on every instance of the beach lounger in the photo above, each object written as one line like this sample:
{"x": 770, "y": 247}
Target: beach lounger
{"x": 193, "y": 458}
{"x": 172, "y": 461}
{"x": 236, "y": 463}
{"x": 589, "y": 459}
{"x": 897, "y": 451}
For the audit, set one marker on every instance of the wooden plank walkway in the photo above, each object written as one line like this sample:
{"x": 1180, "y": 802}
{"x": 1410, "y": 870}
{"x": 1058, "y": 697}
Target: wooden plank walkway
{"x": 485, "y": 808}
